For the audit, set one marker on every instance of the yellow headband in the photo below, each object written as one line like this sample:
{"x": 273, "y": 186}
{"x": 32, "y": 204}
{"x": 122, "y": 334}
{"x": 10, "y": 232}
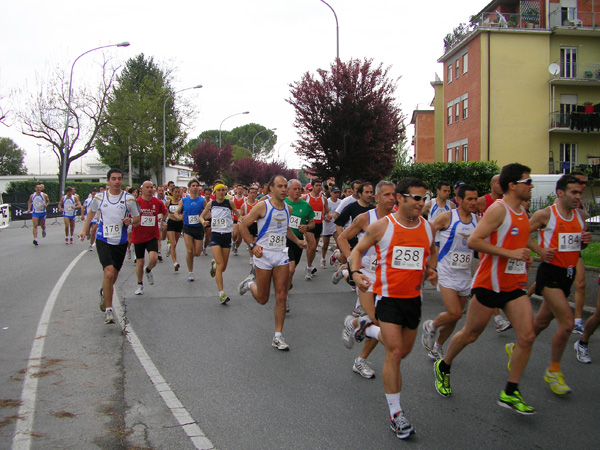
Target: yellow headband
{"x": 219, "y": 186}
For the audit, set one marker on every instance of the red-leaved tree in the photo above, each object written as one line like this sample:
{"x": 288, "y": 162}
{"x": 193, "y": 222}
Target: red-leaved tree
{"x": 210, "y": 161}
{"x": 248, "y": 171}
{"x": 348, "y": 121}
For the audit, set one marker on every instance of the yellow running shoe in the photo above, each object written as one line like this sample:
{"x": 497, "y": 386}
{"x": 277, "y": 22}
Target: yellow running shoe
{"x": 509, "y": 351}
{"x": 557, "y": 383}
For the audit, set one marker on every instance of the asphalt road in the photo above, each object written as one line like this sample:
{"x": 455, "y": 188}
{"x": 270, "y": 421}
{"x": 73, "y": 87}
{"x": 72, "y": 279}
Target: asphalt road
{"x": 218, "y": 362}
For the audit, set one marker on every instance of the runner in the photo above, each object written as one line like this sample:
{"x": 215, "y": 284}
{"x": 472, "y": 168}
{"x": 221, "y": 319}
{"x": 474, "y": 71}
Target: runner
{"x": 146, "y": 235}
{"x": 454, "y": 269}
{"x": 561, "y": 238}
{"x": 250, "y": 203}
{"x": 318, "y": 203}
{"x": 160, "y": 194}
{"x": 207, "y": 198}
{"x": 502, "y": 235}
{"x": 221, "y": 225}
{"x": 174, "y": 225}
{"x": 68, "y": 205}
{"x": 403, "y": 241}
{"x": 239, "y": 200}
{"x": 94, "y": 224}
{"x": 582, "y": 351}
{"x": 329, "y": 228}
{"x": 117, "y": 210}
{"x": 439, "y": 205}
{"x": 270, "y": 254}
{"x": 385, "y": 197}
{"x": 580, "y": 271}
{"x": 37, "y": 204}
{"x": 189, "y": 211}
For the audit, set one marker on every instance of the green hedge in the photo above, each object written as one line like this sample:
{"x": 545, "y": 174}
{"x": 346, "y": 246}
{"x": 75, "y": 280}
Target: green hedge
{"x": 478, "y": 174}
{"x": 19, "y": 191}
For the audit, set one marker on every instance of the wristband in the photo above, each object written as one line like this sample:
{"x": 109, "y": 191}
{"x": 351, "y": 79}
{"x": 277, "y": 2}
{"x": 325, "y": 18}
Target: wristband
{"x": 251, "y": 246}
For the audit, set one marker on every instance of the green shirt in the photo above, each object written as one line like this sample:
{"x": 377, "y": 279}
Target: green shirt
{"x": 302, "y": 213}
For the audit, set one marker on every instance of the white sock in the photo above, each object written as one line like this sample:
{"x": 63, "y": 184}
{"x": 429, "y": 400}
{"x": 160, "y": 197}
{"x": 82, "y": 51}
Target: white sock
{"x": 393, "y": 401}
{"x": 357, "y": 302}
{"x": 578, "y": 321}
{"x": 249, "y": 284}
{"x": 221, "y": 292}
{"x": 372, "y": 331}
{"x": 345, "y": 272}
{"x": 498, "y": 318}
{"x": 278, "y": 334}
{"x": 430, "y": 326}
{"x": 437, "y": 347}
{"x": 109, "y": 309}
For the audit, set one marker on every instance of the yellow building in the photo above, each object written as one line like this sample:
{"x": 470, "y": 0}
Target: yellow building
{"x": 522, "y": 84}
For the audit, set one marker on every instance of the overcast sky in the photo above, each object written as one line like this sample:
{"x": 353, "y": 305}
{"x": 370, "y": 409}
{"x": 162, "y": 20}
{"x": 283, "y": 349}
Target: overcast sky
{"x": 244, "y": 52}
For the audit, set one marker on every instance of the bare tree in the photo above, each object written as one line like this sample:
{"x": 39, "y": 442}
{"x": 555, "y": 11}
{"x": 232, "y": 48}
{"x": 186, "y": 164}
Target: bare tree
{"x": 43, "y": 115}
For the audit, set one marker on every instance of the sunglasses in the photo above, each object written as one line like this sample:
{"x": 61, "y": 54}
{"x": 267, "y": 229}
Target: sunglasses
{"x": 527, "y": 181}
{"x": 417, "y": 198}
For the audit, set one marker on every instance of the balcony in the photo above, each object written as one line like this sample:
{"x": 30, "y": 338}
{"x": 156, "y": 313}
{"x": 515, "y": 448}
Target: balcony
{"x": 506, "y": 20}
{"x": 577, "y": 74}
{"x": 578, "y": 19}
{"x": 575, "y": 122}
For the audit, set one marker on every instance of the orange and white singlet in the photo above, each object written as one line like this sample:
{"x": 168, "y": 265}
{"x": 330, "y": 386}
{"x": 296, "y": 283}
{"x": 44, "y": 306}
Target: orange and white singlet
{"x": 316, "y": 203}
{"x": 500, "y": 274}
{"x": 402, "y": 254}
{"x": 563, "y": 235}
{"x": 238, "y": 204}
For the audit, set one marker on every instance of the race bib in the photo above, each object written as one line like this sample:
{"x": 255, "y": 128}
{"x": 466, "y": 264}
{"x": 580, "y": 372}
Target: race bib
{"x": 294, "y": 222}
{"x": 112, "y": 230}
{"x": 460, "y": 260}
{"x": 372, "y": 263}
{"x": 275, "y": 241}
{"x": 173, "y": 209}
{"x": 69, "y": 208}
{"x": 408, "y": 258}
{"x": 193, "y": 219}
{"x": 219, "y": 223}
{"x": 569, "y": 242}
{"x": 318, "y": 215}
{"x": 148, "y": 221}
{"x": 515, "y": 267}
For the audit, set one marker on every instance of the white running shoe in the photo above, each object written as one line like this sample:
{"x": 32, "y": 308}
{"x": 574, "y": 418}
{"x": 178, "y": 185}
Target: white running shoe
{"x": 308, "y": 273}
{"x": 109, "y": 317}
{"x": 213, "y": 268}
{"x": 149, "y": 276}
{"x": 128, "y": 254}
{"x": 428, "y": 337}
{"x": 502, "y": 325}
{"x": 243, "y": 286}
{"x": 191, "y": 276}
{"x": 176, "y": 267}
{"x": 139, "y": 290}
{"x": 348, "y": 332}
{"x": 363, "y": 368}
{"x": 279, "y": 343}
{"x": 583, "y": 353}
{"x": 91, "y": 248}
{"x": 323, "y": 263}
{"x": 168, "y": 250}
{"x": 401, "y": 426}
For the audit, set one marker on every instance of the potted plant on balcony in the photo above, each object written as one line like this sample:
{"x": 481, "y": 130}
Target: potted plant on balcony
{"x": 530, "y": 16}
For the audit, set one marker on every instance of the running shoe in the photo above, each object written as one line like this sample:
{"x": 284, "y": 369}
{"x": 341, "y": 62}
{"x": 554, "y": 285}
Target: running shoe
{"x": 91, "y": 248}
{"x": 578, "y": 328}
{"x": 128, "y": 254}
{"x": 71, "y": 240}
{"x": 139, "y": 290}
{"x": 251, "y": 261}
{"x": 160, "y": 258}
{"x": 279, "y": 343}
{"x": 556, "y": 382}
{"x": 442, "y": 380}
{"x": 583, "y": 352}
{"x": 502, "y": 325}
{"x": 348, "y": 333}
{"x": 358, "y": 311}
{"x": 308, "y": 273}
{"x": 213, "y": 268}
{"x": 363, "y": 368}
{"x": 102, "y": 303}
{"x": 508, "y": 348}
{"x": 428, "y": 337}
{"x": 401, "y": 426}
{"x": 204, "y": 252}
{"x": 109, "y": 317}
{"x": 168, "y": 249}
{"x": 223, "y": 298}
{"x": 243, "y": 286}
{"x": 333, "y": 258}
{"x": 323, "y": 263}
{"x": 516, "y": 403}
{"x": 149, "y": 276}
{"x": 43, "y": 233}
{"x": 35, "y": 242}
{"x": 436, "y": 354}
{"x": 234, "y": 249}
{"x": 67, "y": 241}
{"x": 191, "y": 277}
{"x": 287, "y": 305}
{"x": 337, "y": 277}
{"x": 176, "y": 267}
{"x": 363, "y": 323}
{"x": 313, "y": 271}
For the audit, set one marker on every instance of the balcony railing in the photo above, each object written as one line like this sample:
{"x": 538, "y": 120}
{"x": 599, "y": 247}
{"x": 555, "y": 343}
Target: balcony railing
{"x": 579, "y": 71}
{"x": 575, "y": 121}
{"x": 584, "y": 19}
{"x": 506, "y": 20}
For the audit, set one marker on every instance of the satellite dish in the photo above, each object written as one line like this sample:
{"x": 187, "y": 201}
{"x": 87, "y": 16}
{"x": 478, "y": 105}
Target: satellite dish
{"x": 554, "y": 69}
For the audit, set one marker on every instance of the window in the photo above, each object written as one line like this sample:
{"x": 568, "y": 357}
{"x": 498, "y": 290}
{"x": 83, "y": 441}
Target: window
{"x": 465, "y": 63}
{"x": 457, "y": 154}
{"x": 465, "y": 152}
{"x": 449, "y": 115}
{"x": 568, "y": 15}
{"x": 457, "y": 63}
{"x": 568, "y": 156}
{"x": 449, "y": 73}
{"x": 465, "y": 108}
{"x": 457, "y": 112}
{"x": 568, "y": 62}
{"x": 449, "y": 155}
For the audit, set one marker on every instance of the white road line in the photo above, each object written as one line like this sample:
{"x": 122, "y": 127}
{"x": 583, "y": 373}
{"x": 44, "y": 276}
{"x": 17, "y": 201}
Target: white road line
{"x": 181, "y": 414}
{"x": 24, "y": 427}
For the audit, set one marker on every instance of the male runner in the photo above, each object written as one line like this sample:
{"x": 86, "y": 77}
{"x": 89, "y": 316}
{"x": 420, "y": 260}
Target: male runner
{"x": 94, "y": 224}
{"x": 502, "y": 235}
{"x": 68, "y": 205}
{"x": 270, "y": 253}
{"x": 174, "y": 225}
{"x": 160, "y": 194}
{"x": 438, "y": 205}
{"x": 329, "y": 228}
{"x": 146, "y": 235}
{"x": 37, "y": 204}
{"x": 561, "y": 237}
{"x": 318, "y": 203}
{"x": 403, "y": 241}
{"x": 580, "y": 272}
{"x": 250, "y": 203}
{"x": 454, "y": 269}
{"x": 118, "y": 210}
{"x": 189, "y": 211}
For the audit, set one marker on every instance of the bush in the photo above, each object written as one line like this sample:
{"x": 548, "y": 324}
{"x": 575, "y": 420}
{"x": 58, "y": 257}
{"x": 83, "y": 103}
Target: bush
{"x": 476, "y": 173}
{"x": 19, "y": 191}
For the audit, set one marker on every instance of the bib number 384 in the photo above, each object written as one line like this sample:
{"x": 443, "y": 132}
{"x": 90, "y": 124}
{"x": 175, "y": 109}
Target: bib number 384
{"x": 276, "y": 241}
{"x": 408, "y": 258}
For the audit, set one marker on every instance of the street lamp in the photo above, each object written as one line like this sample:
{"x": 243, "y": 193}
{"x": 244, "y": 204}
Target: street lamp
{"x": 236, "y": 114}
{"x": 165, "y": 128}
{"x": 271, "y": 129}
{"x": 337, "y": 29}
{"x": 66, "y": 149}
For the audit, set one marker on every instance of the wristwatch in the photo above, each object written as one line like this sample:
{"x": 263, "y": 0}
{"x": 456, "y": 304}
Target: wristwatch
{"x": 251, "y": 246}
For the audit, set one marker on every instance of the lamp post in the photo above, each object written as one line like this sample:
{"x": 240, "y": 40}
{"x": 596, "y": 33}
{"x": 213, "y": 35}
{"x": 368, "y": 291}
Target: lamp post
{"x": 40, "y": 157}
{"x": 337, "y": 29}
{"x": 66, "y": 149}
{"x": 236, "y": 114}
{"x": 165, "y": 128}
{"x": 268, "y": 129}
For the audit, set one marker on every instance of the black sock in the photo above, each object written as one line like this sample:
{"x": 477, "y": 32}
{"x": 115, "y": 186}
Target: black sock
{"x": 445, "y": 368}
{"x": 147, "y": 270}
{"x": 511, "y": 388}
{"x": 583, "y": 344}
{"x": 141, "y": 283}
